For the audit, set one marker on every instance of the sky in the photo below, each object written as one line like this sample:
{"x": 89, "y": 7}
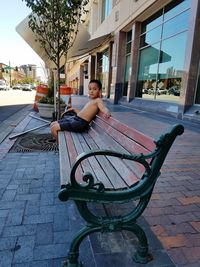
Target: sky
{"x": 13, "y": 48}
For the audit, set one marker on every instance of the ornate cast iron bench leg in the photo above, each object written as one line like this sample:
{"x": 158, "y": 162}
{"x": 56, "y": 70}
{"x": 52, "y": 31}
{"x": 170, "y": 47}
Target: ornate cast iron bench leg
{"x": 74, "y": 248}
{"x": 105, "y": 224}
{"x": 141, "y": 255}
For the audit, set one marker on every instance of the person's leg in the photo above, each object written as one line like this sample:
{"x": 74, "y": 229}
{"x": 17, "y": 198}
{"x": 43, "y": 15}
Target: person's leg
{"x": 55, "y": 128}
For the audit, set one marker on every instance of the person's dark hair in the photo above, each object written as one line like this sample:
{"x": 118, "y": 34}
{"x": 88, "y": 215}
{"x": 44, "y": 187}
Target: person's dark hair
{"x": 97, "y": 82}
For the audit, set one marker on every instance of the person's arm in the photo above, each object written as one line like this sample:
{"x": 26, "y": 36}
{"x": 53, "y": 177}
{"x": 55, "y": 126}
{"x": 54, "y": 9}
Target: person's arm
{"x": 103, "y": 108}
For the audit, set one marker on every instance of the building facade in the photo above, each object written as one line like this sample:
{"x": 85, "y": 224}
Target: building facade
{"x": 145, "y": 52}
{"x": 11, "y": 75}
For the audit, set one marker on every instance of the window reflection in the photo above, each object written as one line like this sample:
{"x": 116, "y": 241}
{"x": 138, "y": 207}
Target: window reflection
{"x": 174, "y": 8}
{"x": 103, "y": 70}
{"x": 151, "y": 37}
{"x": 176, "y": 25}
{"x": 161, "y": 65}
{"x": 127, "y": 62}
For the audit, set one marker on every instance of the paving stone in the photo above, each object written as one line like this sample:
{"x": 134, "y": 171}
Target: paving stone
{"x": 7, "y": 243}
{"x": 49, "y": 251}
{"x": 6, "y": 258}
{"x": 19, "y": 230}
{"x": 44, "y": 234}
{"x": 23, "y": 251}
{"x": 15, "y": 217}
{"x": 38, "y": 218}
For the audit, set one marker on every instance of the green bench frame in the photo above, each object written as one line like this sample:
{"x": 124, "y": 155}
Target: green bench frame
{"x": 111, "y": 163}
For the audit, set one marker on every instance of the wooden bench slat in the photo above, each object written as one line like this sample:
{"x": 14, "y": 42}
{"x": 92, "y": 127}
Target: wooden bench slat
{"x": 94, "y": 163}
{"x": 64, "y": 160}
{"x": 127, "y": 175}
{"x": 108, "y": 143}
{"x": 85, "y": 164}
{"x": 73, "y": 155}
{"x": 113, "y": 175}
{"x": 132, "y": 133}
{"x": 128, "y": 143}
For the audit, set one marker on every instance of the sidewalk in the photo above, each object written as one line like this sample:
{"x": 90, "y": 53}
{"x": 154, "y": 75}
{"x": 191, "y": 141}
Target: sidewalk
{"x": 36, "y": 228}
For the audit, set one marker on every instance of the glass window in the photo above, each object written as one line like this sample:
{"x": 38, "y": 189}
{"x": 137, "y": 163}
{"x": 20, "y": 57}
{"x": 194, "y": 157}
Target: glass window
{"x": 106, "y": 9}
{"x": 172, "y": 56}
{"x": 103, "y": 69}
{"x": 197, "y": 98}
{"x": 148, "y": 62}
{"x": 152, "y": 22}
{"x": 161, "y": 65}
{"x": 175, "y": 7}
{"x": 128, "y": 62}
{"x": 175, "y": 25}
{"x": 151, "y": 37}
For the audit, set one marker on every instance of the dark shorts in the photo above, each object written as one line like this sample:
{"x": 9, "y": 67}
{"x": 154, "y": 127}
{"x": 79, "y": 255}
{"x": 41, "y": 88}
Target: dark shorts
{"x": 73, "y": 124}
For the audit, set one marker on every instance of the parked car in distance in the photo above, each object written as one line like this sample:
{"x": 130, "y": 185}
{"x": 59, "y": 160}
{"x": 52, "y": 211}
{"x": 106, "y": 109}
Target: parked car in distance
{"x": 159, "y": 91}
{"x": 3, "y": 85}
{"x": 17, "y": 87}
{"x": 26, "y": 87}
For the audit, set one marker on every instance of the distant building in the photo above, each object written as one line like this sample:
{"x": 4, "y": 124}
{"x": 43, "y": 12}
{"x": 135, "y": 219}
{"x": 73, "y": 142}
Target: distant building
{"x": 11, "y": 74}
{"x": 30, "y": 70}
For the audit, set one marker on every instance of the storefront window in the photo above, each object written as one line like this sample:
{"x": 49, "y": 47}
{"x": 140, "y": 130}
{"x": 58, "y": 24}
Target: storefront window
{"x": 176, "y": 25}
{"x": 151, "y": 37}
{"x": 152, "y": 22}
{"x": 103, "y": 70}
{"x": 175, "y": 7}
{"x": 197, "y": 98}
{"x": 162, "y": 54}
{"x": 128, "y": 62}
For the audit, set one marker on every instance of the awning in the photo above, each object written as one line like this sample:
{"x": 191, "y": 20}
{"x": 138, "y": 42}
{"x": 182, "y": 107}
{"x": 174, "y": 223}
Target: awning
{"x": 89, "y": 45}
{"x": 27, "y": 34}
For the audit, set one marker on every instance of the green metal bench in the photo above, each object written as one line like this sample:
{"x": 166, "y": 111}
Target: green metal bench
{"x": 111, "y": 163}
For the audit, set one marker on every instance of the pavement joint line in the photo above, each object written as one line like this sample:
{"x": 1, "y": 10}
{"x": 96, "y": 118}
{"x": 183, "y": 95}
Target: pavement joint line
{"x": 7, "y": 126}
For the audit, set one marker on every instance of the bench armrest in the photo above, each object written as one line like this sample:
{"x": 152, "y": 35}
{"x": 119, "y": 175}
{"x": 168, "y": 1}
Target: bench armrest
{"x": 140, "y": 158}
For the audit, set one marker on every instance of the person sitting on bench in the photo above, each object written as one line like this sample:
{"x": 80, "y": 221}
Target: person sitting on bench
{"x": 78, "y": 120}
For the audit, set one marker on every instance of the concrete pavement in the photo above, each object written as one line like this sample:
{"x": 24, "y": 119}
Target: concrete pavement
{"x": 36, "y": 228}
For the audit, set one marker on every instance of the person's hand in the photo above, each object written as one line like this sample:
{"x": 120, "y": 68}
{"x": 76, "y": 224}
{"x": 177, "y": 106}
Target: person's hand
{"x": 107, "y": 114}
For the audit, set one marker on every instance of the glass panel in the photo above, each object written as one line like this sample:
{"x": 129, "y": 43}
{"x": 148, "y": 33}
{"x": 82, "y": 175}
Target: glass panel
{"x": 126, "y": 74}
{"x": 175, "y": 7}
{"x": 172, "y": 56}
{"x": 129, "y": 36}
{"x": 128, "y": 48}
{"x": 152, "y": 22}
{"x": 151, "y": 37}
{"x": 147, "y": 73}
{"x": 148, "y": 62}
{"x": 171, "y": 68}
{"x": 176, "y": 25}
{"x": 197, "y": 99}
{"x": 106, "y": 8}
{"x": 127, "y": 68}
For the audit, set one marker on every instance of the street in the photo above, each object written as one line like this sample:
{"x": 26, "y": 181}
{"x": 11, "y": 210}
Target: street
{"x": 14, "y": 100}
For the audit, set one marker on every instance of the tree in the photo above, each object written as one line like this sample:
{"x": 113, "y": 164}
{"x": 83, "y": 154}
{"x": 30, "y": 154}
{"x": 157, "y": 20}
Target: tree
{"x": 55, "y": 24}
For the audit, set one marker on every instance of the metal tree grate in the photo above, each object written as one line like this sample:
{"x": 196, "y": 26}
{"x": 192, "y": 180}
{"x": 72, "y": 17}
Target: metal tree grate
{"x": 34, "y": 143}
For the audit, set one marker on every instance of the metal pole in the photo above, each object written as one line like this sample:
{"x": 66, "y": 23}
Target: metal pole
{"x": 40, "y": 119}
{"x": 27, "y": 131}
{"x": 10, "y": 75}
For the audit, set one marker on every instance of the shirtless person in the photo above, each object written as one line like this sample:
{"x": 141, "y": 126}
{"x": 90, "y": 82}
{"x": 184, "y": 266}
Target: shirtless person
{"x": 79, "y": 122}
